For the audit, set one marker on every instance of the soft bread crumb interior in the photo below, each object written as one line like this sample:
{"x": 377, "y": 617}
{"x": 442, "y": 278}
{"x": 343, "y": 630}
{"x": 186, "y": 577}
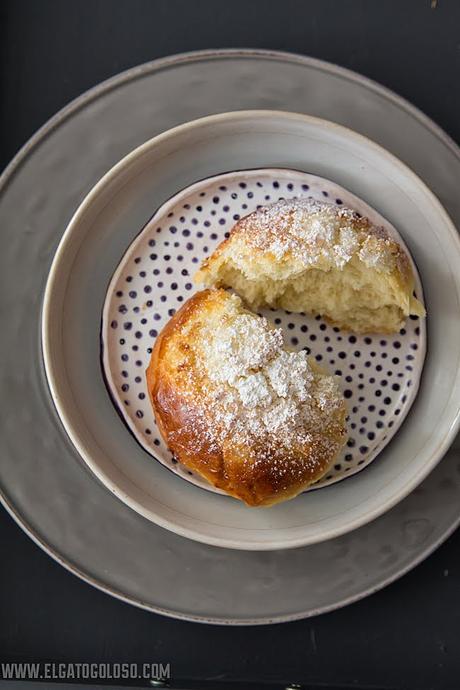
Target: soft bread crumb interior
{"x": 356, "y": 298}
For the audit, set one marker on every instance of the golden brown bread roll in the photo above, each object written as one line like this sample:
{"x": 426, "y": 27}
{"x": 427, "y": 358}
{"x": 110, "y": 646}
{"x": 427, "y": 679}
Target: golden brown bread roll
{"x": 255, "y": 420}
{"x": 308, "y": 256}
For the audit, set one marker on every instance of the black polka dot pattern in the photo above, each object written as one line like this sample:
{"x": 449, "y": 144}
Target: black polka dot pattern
{"x": 378, "y": 374}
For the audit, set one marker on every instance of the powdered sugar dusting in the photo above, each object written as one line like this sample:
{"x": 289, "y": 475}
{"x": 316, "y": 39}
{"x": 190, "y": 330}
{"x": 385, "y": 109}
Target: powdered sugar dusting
{"x": 254, "y": 390}
{"x": 318, "y": 233}
{"x": 259, "y": 391}
{"x": 234, "y": 349}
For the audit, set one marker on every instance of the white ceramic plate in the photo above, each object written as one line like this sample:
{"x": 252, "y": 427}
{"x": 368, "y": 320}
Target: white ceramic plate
{"x": 379, "y": 374}
{"x": 84, "y": 261}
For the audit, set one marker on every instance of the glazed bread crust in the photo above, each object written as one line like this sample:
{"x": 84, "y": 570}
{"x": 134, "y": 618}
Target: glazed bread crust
{"x": 303, "y": 255}
{"x": 233, "y": 405}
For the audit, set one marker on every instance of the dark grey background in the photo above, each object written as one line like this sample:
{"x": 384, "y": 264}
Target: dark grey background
{"x": 406, "y": 636}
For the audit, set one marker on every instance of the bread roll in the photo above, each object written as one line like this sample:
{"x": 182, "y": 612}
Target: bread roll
{"x": 255, "y": 420}
{"x": 304, "y": 255}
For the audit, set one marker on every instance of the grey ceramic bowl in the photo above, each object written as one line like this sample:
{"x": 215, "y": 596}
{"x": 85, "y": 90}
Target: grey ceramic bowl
{"x": 108, "y": 220}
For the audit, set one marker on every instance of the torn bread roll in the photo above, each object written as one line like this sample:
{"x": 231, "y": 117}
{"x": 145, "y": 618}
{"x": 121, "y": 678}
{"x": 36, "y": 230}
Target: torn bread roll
{"x": 254, "y": 419}
{"x": 304, "y": 255}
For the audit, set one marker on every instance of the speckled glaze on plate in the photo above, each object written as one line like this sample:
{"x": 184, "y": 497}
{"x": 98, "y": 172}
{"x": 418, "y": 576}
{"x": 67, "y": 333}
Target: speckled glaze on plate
{"x": 99, "y": 539}
{"x": 379, "y": 374}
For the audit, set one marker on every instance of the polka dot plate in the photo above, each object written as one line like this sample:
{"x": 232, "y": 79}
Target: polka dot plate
{"x": 379, "y": 374}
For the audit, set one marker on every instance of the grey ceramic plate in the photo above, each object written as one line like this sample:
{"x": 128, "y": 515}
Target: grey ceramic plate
{"x": 46, "y": 486}
{"x": 92, "y": 246}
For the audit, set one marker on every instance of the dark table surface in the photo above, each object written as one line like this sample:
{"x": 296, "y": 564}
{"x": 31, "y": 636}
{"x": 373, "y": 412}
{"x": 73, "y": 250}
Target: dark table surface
{"x": 406, "y": 636}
